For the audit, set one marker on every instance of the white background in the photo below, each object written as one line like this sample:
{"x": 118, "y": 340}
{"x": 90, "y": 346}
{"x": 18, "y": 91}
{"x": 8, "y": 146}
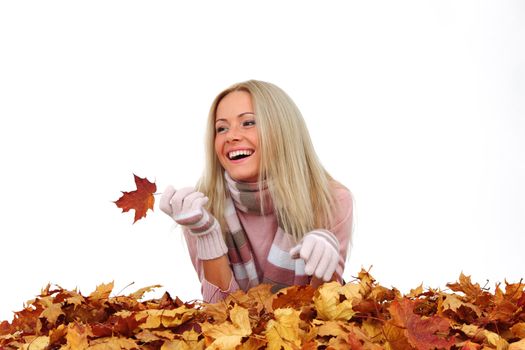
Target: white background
{"x": 417, "y": 107}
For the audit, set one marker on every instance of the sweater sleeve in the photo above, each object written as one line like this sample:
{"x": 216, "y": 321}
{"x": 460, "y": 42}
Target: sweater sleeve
{"x": 342, "y": 228}
{"x": 210, "y": 292}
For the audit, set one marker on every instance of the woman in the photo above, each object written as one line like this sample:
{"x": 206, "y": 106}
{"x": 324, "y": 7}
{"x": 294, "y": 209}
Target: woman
{"x": 265, "y": 209}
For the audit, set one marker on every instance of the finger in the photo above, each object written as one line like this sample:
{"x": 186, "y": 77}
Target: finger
{"x": 331, "y": 268}
{"x": 164, "y": 202}
{"x": 313, "y": 260}
{"x": 308, "y": 246}
{"x": 323, "y": 263}
{"x": 187, "y": 202}
{"x": 198, "y": 203}
{"x": 294, "y": 252}
{"x": 178, "y": 199}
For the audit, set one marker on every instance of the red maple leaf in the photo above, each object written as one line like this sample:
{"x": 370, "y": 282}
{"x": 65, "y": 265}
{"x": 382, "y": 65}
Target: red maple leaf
{"x": 141, "y": 199}
{"x": 422, "y": 333}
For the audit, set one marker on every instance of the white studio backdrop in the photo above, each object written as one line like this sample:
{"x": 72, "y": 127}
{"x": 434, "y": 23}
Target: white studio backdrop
{"x": 417, "y": 107}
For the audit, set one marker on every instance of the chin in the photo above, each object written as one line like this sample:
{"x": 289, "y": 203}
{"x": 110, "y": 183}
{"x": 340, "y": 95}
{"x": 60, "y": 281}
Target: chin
{"x": 244, "y": 177}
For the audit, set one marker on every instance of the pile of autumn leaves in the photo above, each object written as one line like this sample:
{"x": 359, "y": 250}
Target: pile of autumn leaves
{"x": 358, "y": 315}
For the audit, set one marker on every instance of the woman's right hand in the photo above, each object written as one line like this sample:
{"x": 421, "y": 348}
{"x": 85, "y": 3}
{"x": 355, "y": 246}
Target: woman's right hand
{"x": 185, "y": 206}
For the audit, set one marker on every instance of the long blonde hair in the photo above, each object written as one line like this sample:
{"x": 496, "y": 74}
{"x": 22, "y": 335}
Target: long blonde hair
{"x": 299, "y": 185}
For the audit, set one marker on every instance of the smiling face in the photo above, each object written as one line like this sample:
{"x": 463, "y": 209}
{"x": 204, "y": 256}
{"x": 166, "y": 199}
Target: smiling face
{"x": 236, "y": 139}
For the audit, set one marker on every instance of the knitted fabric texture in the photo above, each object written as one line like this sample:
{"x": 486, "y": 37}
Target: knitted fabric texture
{"x": 278, "y": 269}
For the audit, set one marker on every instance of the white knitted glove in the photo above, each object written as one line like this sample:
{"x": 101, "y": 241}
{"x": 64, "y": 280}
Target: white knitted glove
{"x": 320, "y": 251}
{"x": 186, "y": 207}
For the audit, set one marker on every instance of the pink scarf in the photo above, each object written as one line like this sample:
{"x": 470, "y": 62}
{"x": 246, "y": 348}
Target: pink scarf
{"x": 279, "y": 269}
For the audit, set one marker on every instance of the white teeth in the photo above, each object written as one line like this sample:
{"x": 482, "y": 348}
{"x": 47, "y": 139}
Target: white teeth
{"x": 245, "y": 152}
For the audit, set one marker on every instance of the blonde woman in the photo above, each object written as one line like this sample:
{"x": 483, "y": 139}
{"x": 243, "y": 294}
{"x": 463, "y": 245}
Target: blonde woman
{"x": 265, "y": 209}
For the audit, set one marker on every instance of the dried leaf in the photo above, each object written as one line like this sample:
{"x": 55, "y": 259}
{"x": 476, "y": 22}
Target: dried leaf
{"x": 283, "y": 332}
{"x": 359, "y": 315}
{"x": 327, "y": 301}
{"x": 39, "y": 343}
{"x": 420, "y": 332}
{"x": 519, "y": 345}
{"x": 228, "y": 335}
{"x": 101, "y": 293}
{"x": 140, "y": 293}
{"x": 77, "y": 336}
{"x": 140, "y": 200}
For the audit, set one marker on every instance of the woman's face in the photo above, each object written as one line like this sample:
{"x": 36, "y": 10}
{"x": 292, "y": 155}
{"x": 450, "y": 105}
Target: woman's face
{"x": 236, "y": 140}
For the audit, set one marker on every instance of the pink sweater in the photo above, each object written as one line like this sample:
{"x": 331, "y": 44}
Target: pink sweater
{"x": 260, "y": 231}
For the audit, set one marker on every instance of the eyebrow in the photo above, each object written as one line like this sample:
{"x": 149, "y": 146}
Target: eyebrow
{"x": 240, "y": 115}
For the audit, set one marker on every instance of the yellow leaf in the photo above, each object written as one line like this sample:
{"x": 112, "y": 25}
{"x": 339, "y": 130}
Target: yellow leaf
{"x": 76, "y": 337}
{"x": 416, "y": 291}
{"x": 519, "y": 345}
{"x": 165, "y": 334}
{"x": 52, "y": 313}
{"x": 254, "y": 343}
{"x": 76, "y": 299}
{"x": 373, "y": 329}
{"x": 140, "y": 293}
{"x": 102, "y": 292}
{"x": 396, "y": 338}
{"x": 241, "y": 319}
{"x": 175, "y": 345}
{"x": 452, "y": 302}
{"x": 39, "y": 343}
{"x": 228, "y": 335}
{"x": 147, "y": 336}
{"x": 217, "y": 311}
{"x": 167, "y": 318}
{"x": 495, "y": 339}
{"x": 470, "y": 330}
{"x": 330, "y": 328}
{"x": 284, "y": 330}
{"x": 113, "y": 343}
{"x": 327, "y": 304}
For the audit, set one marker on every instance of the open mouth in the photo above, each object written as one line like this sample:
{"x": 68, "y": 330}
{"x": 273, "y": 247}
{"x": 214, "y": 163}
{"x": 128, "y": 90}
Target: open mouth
{"x": 240, "y": 154}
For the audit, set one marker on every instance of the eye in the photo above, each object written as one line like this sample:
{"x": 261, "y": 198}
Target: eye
{"x": 220, "y": 129}
{"x": 248, "y": 123}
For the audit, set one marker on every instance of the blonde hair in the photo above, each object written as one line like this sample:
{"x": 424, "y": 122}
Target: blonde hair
{"x": 299, "y": 185}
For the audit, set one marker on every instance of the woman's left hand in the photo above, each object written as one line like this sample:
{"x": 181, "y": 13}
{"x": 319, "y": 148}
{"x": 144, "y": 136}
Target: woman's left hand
{"x": 320, "y": 251}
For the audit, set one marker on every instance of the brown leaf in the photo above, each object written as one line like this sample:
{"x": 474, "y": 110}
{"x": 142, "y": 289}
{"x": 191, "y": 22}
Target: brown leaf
{"x": 294, "y": 296}
{"x": 140, "y": 200}
{"x": 465, "y": 285}
{"x": 519, "y": 330}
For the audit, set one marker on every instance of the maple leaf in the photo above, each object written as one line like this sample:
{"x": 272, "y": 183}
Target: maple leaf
{"x": 329, "y": 304}
{"x": 465, "y": 285}
{"x": 228, "y": 335}
{"x": 294, "y": 296}
{"x": 362, "y": 315}
{"x": 77, "y": 336}
{"x": 140, "y": 200}
{"x": 283, "y": 332}
{"x": 421, "y": 333}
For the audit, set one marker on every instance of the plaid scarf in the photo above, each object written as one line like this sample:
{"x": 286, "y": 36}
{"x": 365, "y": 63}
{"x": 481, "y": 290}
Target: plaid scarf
{"x": 278, "y": 269}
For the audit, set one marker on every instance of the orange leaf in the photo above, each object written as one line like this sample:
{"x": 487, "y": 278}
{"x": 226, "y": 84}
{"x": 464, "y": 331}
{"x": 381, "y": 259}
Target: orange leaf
{"x": 140, "y": 200}
{"x": 420, "y": 332}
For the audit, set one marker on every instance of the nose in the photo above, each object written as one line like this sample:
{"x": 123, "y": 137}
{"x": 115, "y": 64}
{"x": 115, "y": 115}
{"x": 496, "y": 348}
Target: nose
{"x": 233, "y": 134}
